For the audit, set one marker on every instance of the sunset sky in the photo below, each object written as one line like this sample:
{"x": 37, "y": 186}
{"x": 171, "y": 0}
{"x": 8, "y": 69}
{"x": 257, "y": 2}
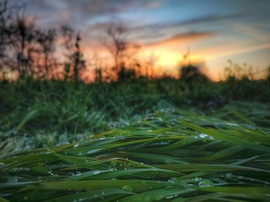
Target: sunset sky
{"x": 213, "y": 30}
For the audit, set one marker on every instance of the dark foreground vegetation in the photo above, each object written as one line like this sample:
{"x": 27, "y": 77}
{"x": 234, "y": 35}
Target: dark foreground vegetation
{"x": 135, "y": 140}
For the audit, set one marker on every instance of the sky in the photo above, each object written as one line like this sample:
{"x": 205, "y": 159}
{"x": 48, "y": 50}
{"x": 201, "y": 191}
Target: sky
{"x": 212, "y": 31}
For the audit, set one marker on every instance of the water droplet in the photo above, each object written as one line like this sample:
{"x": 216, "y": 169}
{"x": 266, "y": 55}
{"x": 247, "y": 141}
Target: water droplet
{"x": 78, "y": 173}
{"x": 76, "y": 145}
{"x": 163, "y": 143}
{"x": 172, "y": 180}
{"x": 231, "y": 124}
{"x": 112, "y": 169}
{"x": 70, "y": 174}
{"x": 96, "y": 172}
{"x": 203, "y": 135}
{"x": 127, "y": 188}
{"x": 240, "y": 177}
{"x": 168, "y": 197}
{"x": 229, "y": 176}
{"x": 206, "y": 183}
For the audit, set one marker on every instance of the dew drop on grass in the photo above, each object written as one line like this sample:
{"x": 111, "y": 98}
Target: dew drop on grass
{"x": 168, "y": 197}
{"x": 229, "y": 176}
{"x": 163, "y": 143}
{"x": 70, "y": 174}
{"x": 76, "y": 145}
{"x": 231, "y": 124}
{"x": 127, "y": 188}
{"x": 112, "y": 169}
{"x": 240, "y": 177}
{"x": 78, "y": 173}
{"x": 203, "y": 135}
{"x": 172, "y": 180}
{"x": 96, "y": 172}
{"x": 206, "y": 183}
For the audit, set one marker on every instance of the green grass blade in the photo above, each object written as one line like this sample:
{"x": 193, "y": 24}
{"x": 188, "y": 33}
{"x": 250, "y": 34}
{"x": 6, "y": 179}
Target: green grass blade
{"x": 27, "y": 117}
{"x": 227, "y": 137}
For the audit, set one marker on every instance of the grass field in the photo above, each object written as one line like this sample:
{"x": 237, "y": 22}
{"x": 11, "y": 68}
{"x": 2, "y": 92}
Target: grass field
{"x": 141, "y": 140}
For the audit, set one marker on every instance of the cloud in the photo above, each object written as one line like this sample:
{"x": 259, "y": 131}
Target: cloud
{"x": 182, "y": 38}
{"x": 240, "y": 50}
{"x": 116, "y": 6}
{"x": 198, "y": 20}
{"x": 208, "y": 19}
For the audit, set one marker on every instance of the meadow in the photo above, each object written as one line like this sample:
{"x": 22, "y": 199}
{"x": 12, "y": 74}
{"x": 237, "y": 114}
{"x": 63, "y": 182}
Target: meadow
{"x": 135, "y": 140}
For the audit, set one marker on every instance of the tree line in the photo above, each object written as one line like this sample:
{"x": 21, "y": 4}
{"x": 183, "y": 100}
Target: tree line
{"x": 29, "y": 51}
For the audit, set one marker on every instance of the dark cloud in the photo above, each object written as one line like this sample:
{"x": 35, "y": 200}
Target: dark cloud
{"x": 80, "y": 13}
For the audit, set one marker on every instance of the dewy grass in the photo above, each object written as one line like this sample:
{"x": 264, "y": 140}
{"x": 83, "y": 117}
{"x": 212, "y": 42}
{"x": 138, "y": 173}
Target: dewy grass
{"x": 172, "y": 155}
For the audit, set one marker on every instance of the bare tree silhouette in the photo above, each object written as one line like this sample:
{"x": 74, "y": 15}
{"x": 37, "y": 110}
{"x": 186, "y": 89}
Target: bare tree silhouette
{"x": 117, "y": 44}
{"x": 122, "y": 51}
{"x": 46, "y": 62}
{"x": 23, "y": 48}
{"x": 75, "y": 62}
